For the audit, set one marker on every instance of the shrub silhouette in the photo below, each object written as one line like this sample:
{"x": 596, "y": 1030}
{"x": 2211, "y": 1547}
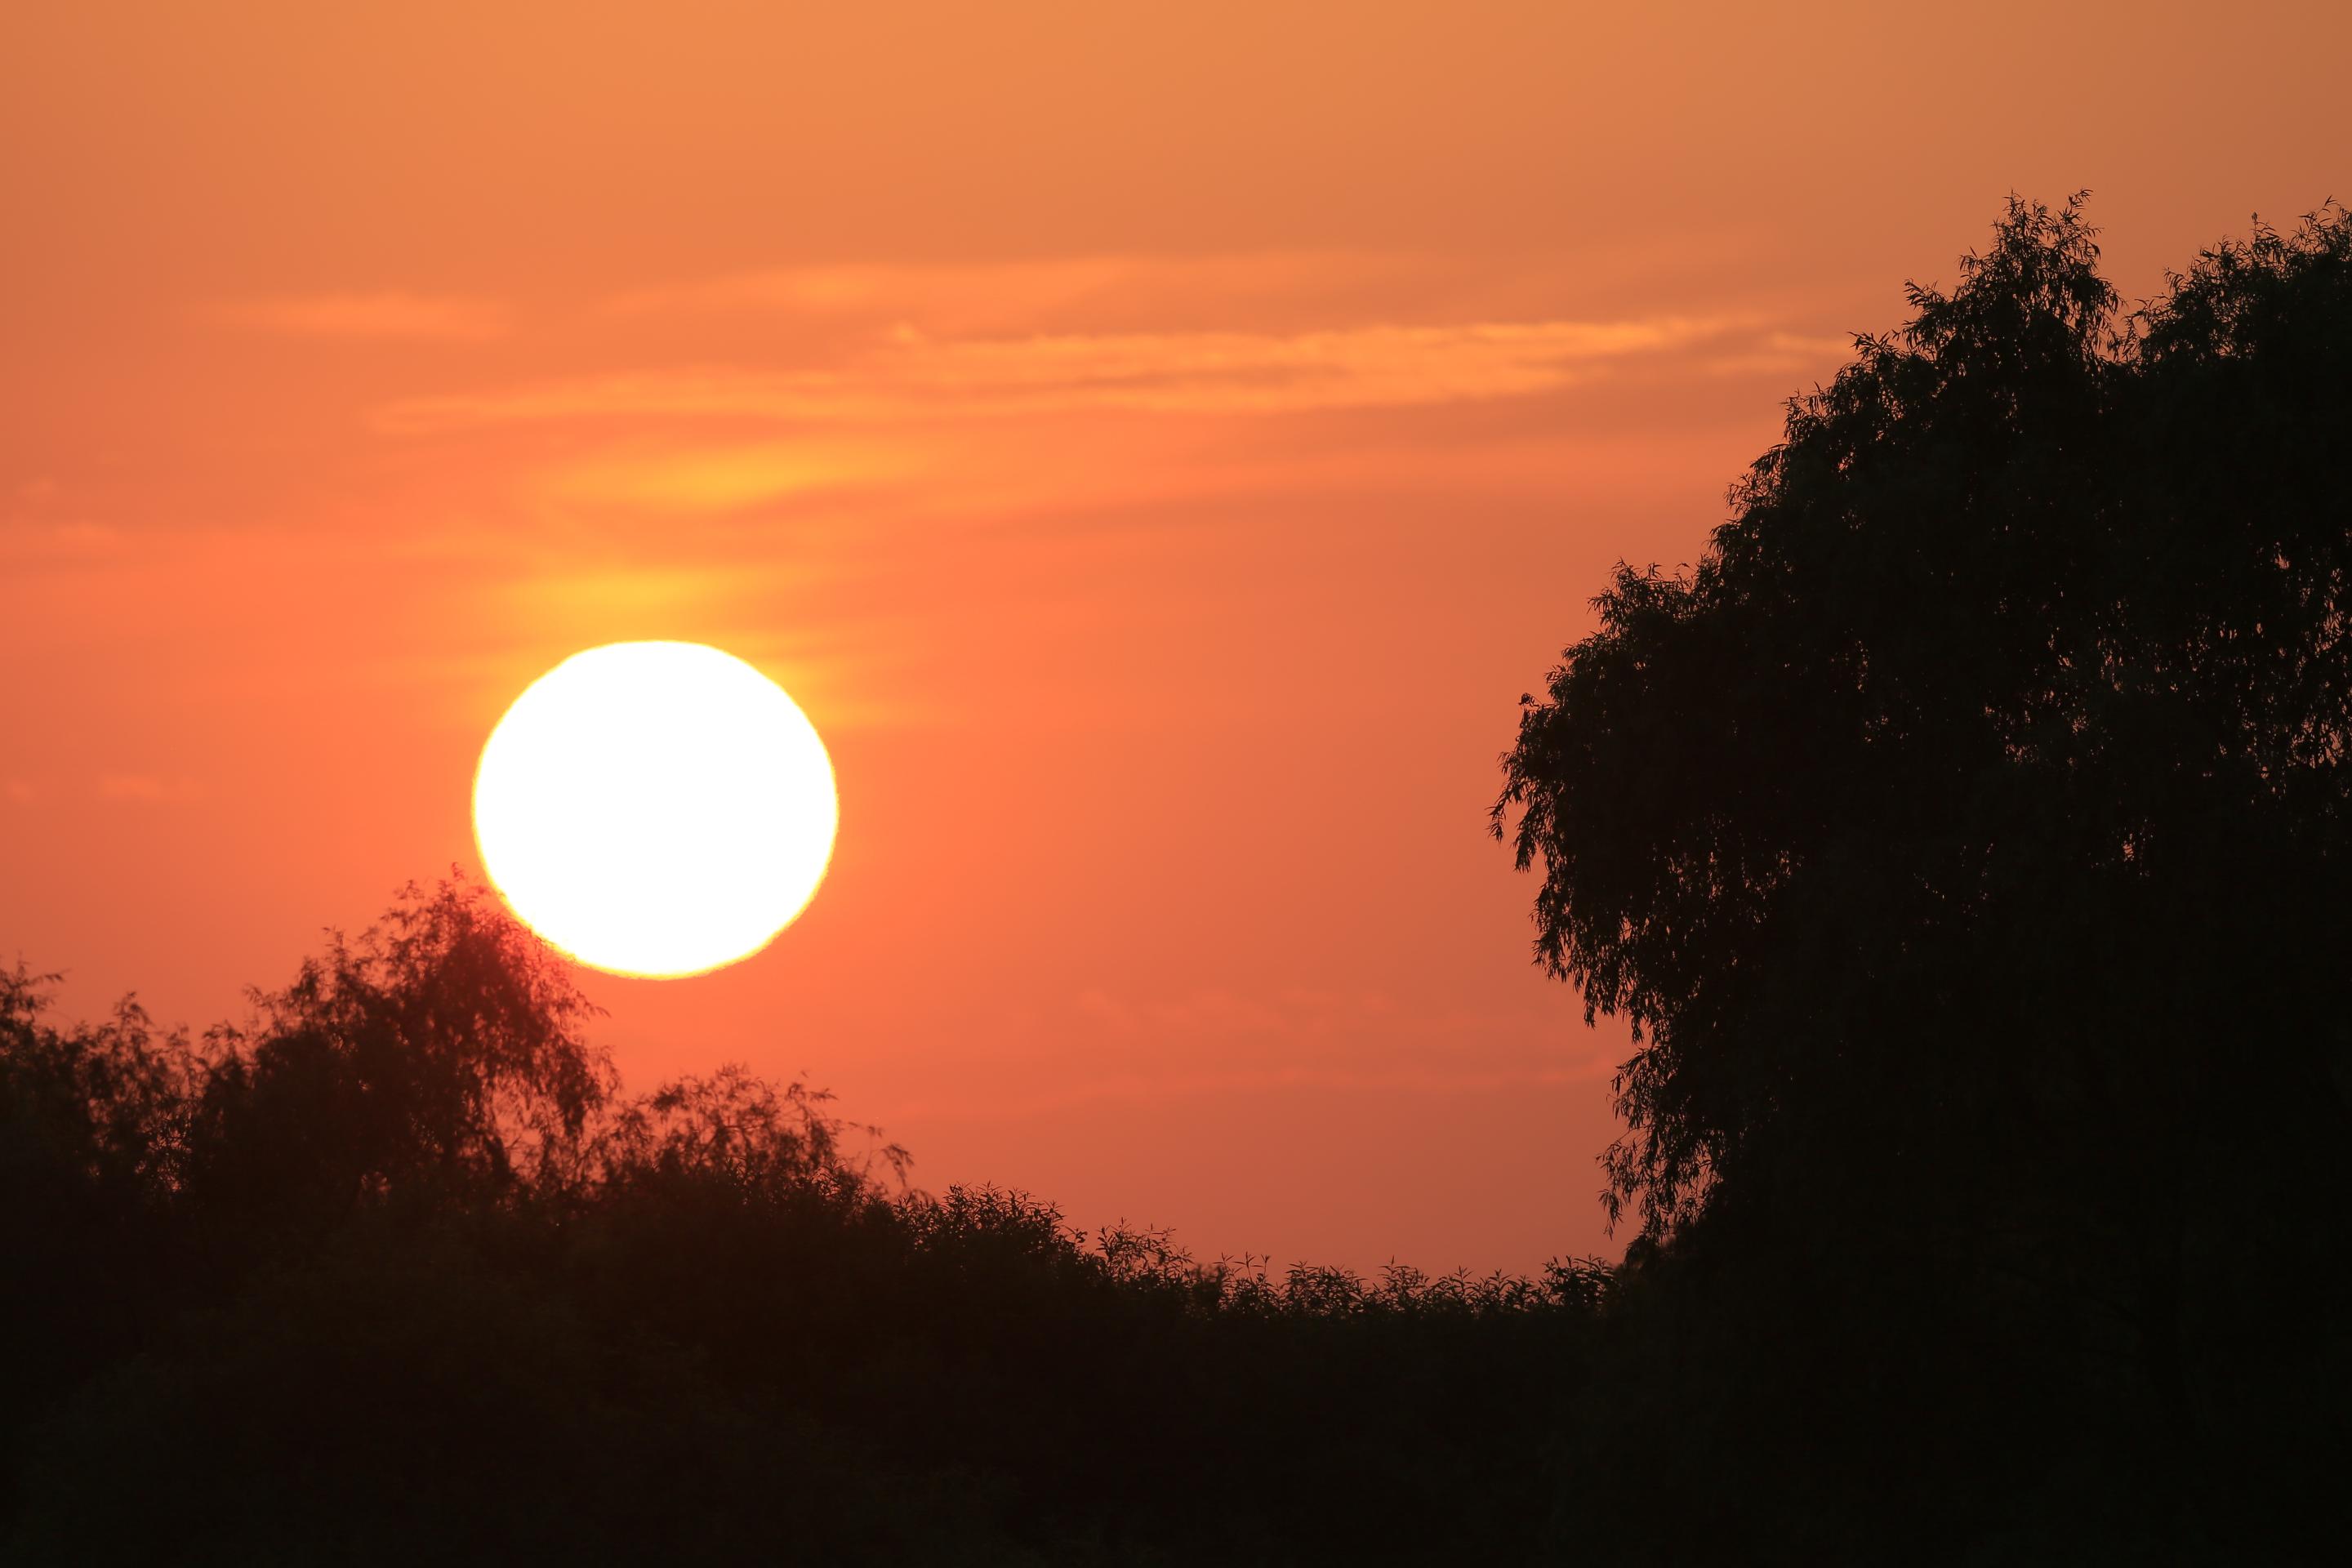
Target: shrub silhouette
{"x": 394, "y": 1272}
{"x": 91, "y": 1122}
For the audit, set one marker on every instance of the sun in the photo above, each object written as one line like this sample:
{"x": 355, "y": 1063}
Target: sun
{"x": 656, "y": 809}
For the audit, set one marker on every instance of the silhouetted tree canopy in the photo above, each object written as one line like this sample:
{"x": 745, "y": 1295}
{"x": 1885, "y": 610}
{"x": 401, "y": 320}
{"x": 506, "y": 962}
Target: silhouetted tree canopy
{"x": 2031, "y": 604}
{"x": 1964, "y": 836}
{"x": 442, "y": 1049}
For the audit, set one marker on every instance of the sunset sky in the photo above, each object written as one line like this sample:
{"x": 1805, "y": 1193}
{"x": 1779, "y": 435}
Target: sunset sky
{"x": 1156, "y": 444}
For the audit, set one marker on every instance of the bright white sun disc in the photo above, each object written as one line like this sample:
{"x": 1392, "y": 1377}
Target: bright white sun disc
{"x": 656, "y": 809}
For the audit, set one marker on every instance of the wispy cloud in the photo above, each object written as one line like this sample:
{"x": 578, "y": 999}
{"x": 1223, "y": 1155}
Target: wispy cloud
{"x": 1031, "y": 294}
{"x": 714, "y": 477}
{"x": 34, "y": 542}
{"x": 34, "y": 528}
{"x": 1243, "y": 1081}
{"x": 388, "y": 315}
{"x": 144, "y": 787}
{"x": 1194, "y": 373}
{"x": 1776, "y": 353}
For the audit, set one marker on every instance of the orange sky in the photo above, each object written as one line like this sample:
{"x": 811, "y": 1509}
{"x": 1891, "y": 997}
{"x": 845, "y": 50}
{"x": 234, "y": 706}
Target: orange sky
{"x": 1157, "y": 444}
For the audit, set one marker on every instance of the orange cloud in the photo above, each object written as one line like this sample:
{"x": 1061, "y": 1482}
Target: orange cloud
{"x": 1188, "y": 373}
{"x": 1154, "y": 1087}
{"x": 1776, "y": 353}
{"x": 391, "y": 315}
{"x": 713, "y": 479}
{"x": 143, "y": 787}
{"x": 998, "y": 297}
{"x": 52, "y": 542}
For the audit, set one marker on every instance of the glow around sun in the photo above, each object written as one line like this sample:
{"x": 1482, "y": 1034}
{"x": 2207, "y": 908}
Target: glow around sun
{"x": 656, "y": 809}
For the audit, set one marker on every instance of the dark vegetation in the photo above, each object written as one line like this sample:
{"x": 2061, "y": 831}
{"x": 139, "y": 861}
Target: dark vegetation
{"x": 393, "y": 1274}
{"x": 1965, "y": 836}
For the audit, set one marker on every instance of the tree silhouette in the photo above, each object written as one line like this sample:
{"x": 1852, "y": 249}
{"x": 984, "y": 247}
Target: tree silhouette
{"x": 442, "y": 1050}
{"x": 1965, "y": 835}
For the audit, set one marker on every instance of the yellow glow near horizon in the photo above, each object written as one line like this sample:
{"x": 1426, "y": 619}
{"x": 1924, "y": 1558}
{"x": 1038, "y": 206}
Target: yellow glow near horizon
{"x": 656, "y": 809}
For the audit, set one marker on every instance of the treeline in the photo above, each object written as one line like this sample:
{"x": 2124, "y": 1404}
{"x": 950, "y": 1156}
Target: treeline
{"x": 394, "y": 1273}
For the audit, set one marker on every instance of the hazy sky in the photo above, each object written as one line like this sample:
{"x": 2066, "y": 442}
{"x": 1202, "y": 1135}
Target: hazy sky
{"x": 1156, "y": 443}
